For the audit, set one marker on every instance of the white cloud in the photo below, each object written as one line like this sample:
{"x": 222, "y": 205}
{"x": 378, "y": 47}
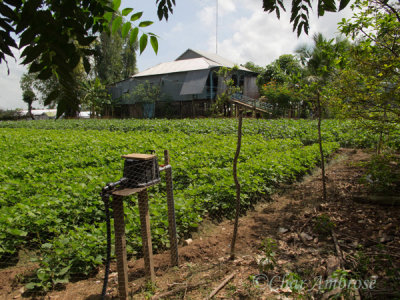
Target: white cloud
{"x": 207, "y": 16}
{"x": 252, "y": 5}
{"x": 225, "y": 7}
{"x": 262, "y": 38}
{"x": 11, "y": 94}
{"x": 178, "y": 28}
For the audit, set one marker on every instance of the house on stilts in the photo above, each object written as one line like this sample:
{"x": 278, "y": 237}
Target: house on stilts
{"x": 188, "y": 87}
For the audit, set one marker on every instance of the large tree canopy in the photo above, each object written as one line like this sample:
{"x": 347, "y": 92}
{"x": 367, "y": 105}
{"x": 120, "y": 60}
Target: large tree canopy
{"x": 55, "y": 35}
{"x": 369, "y": 85}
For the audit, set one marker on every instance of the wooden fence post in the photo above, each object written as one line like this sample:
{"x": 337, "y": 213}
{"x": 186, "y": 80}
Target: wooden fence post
{"x": 120, "y": 246}
{"x": 146, "y": 234}
{"x": 171, "y": 213}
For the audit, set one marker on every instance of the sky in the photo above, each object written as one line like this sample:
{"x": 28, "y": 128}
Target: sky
{"x": 245, "y": 33}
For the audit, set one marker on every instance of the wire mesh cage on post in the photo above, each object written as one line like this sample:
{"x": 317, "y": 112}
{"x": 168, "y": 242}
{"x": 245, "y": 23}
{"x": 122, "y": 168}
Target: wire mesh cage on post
{"x": 140, "y": 170}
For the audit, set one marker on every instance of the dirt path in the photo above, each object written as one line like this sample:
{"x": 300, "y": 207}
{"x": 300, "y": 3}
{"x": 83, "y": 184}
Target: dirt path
{"x": 293, "y": 233}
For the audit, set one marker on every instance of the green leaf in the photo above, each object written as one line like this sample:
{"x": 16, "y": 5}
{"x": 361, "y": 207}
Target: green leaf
{"x": 63, "y": 271}
{"x": 126, "y": 11}
{"x": 86, "y": 64}
{"x": 108, "y": 16}
{"x": 45, "y": 74}
{"x": 125, "y": 29}
{"x": 52, "y": 96}
{"x": 116, "y": 4}
{"x": 27, "y": 37}
{"x": 321, "y": 10}
{"x": 134, "y": 35}
{"x": 145, "y": 23}
{"x": 136, "y": 16}
{"x": 116, "y": 24}
{"x": 31, "y": 285}
{"x": 343, "y": 4}
{"x": 35, "y": 67}
{"x": 17, "y": 232}
{"x": 47, "y": 246}
{"x": 42, "y": 274}
{"x": 299, "y": 28}
{"x": 143, "y": 42}
{"x": 154, "y": 43}
{"x": 60, "y": 281}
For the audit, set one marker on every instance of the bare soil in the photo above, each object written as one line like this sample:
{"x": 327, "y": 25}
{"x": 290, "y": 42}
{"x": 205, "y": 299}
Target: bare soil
{"x": 312, "y": 239}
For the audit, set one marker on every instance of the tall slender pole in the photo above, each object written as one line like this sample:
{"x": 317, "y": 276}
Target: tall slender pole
{"x": 320, "y": 147}
{"x": 120, "y": 247}
{"x": 171, "y": 212}
{"x": 146, "y": 235}
{"x": 216, "y": 30}
{"x": 237, "y": 184}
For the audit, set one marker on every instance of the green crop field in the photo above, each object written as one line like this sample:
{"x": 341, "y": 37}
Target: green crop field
{"x": 53, "y": 171}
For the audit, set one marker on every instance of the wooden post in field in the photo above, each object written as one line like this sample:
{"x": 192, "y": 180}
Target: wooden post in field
{"x": 120, "y": 241}
{"x": 120, "y": 246}
{"x": 171, "y": 213}
{"x": 146, "y": 235}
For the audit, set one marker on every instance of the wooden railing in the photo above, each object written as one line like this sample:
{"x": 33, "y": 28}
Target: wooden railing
{"x": 250, "y": 102}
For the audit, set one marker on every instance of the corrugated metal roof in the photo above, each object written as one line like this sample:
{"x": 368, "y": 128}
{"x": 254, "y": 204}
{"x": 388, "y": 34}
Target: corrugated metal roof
{"x": 179, "y": 66}
{"x": 217, "y": 59}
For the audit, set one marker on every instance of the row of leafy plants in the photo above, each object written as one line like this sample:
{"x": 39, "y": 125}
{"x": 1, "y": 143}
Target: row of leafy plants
{"x": 51, "y": 179}
{"x": 349, "y": 133}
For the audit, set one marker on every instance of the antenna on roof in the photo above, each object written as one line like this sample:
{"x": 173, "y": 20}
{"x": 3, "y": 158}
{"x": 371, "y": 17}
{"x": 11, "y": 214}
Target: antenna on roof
{"x": 216, "y": 30}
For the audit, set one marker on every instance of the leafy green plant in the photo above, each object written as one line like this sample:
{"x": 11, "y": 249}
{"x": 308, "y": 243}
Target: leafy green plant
{"x": 323, "y": 224}
{"x": 52, "y": 174}
{"x": 382, "y": 173}
{"x": 294, "y": 282}
{"x": 338, "y": 279}
{"x": 269, "y": 248}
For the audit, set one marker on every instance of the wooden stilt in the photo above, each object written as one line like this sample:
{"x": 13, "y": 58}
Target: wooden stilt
{"x": 171, "y": 213}
{"x": 120, "y": 246}
{"x": 146, "y": 234}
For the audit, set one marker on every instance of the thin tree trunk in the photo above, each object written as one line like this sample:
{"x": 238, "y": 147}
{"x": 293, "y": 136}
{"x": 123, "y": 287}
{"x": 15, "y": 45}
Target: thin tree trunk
{"x": 30, "y": 111}
{"x": 380, "y": 142}
{"x": 237, "y": 184}
{"x": 378, "y": 150}
{"x": 320, "y": 148}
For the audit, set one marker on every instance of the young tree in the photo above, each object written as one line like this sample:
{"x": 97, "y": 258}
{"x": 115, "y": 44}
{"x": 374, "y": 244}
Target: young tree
{"x": 95, "y": 96}
{"x": 368, "y": 87}
{"x": 222, "y": 103}
{"x": 28, "y": 97}
{"x": 144, "y": 92}
{"x": 320, "y": 61}
{"x": 115, "y": 57}
{"x": 253, "y": 67}
{"x": 285, "y": 69}
{"x": 50, "y": 92}
{"x": 279, "y": 83}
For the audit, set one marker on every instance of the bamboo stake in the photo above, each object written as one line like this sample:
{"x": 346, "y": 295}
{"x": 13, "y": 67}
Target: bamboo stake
{"x": 185, "y": 287}
{"x": 223, "y": 283}
{"x": 237, "y": 184}
{"x": 320, "y": 148}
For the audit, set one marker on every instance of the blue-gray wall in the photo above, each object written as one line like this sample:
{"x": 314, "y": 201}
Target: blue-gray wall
{"x": 171, "y": 85}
